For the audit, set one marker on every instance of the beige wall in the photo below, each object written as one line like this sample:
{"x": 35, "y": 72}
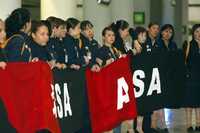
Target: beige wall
{"x": 8, "y": 6}
{"x": 59, "y": 8}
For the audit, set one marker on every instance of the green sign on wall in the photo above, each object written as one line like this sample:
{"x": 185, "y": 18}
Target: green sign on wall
{"x": 139, "y": 18}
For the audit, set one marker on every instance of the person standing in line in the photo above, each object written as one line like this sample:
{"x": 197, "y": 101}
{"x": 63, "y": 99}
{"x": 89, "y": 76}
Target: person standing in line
{"x": 192, "y": 57}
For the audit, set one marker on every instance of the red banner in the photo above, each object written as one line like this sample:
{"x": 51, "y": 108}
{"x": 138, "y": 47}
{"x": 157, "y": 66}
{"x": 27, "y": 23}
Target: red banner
{"x": 111, "y": 95}
{"x": 25, "y": 90}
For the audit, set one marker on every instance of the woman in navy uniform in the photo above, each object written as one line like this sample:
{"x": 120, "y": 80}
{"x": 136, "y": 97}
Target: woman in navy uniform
{"x": 40, "y": 37}
{"x": 76, "y": 59}
{"x": 54, "y": 24}
{"x": 152, "y": 35}
{"x": 107, "y": 53}
{"x": 165, "y": 43}
{"x": 56, "y": 44}
{"x": 150, "y": 120}
{"x": 193, "y": 83}
{"x": 74, "y": 45}
{"x": 121, "y": 29}
{"x": 18, "y": 25}
{"x": 165, "y": 40}
{"x": 145, "y": 41}
{"x": 140, "y": 39}
{"x": 91, "y": 45}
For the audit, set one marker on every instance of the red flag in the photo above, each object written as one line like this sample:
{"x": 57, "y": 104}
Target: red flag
{"x": 111, "y": 95}
{"x": 25, "y": 89}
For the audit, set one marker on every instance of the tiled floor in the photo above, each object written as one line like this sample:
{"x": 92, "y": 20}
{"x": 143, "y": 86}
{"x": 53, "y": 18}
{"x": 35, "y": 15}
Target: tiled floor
{"x": 175, "y": 120}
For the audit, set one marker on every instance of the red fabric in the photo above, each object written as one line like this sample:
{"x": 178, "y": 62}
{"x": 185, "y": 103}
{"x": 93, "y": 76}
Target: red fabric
{"x": 26, "y": 93}
{"x": 102, "y": 94}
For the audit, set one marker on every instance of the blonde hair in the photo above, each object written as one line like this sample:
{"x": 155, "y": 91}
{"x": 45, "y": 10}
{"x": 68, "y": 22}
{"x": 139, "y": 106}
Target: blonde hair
{"x": 1, "y": 21}
{"x": 2, "y": 41}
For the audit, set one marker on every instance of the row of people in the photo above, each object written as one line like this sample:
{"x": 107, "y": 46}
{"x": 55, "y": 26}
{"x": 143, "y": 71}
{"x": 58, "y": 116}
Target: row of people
{"x": 65, "y": 44}
{"x": 71, "y": 44}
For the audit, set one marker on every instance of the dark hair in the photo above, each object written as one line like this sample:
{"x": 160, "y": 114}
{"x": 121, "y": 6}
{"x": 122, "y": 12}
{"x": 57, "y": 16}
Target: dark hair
{"x": 119, "y": 25}
{"x": 194, "y": 28}
{"x": 137, "y": 31}
{"x": 71, "y": 23}
{"x": 107, "y": 29}
{"x": 55, "y": 22}
{"x": 37, "y": 24}
{"x": 167, "y": 26}
{"x": 152, "y": 24}
{"x": 132, "y": 33}
{"x": 16, "y": 21}
{"x": 48, "y": 24}
{"x": 50, "y": 18}
{"x": 85, "y": 24}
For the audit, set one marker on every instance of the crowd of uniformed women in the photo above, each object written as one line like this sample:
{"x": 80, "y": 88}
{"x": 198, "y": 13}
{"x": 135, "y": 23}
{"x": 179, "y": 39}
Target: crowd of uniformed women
{"x": 70, "y": 44}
